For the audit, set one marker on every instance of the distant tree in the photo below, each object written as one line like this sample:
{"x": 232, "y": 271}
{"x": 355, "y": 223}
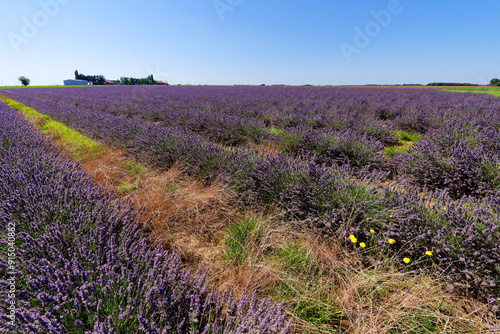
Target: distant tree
{"x": 76, "y": 75}
{"x": 24, "y": 81}
{"x": 495, "y": 82}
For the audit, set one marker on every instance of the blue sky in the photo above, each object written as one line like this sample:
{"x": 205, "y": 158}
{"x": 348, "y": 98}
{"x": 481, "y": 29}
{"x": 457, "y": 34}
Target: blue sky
{"x": 251, "y": 41}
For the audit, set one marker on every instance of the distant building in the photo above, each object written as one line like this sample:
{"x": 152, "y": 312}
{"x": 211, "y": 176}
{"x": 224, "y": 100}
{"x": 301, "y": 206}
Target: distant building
{"x": 110, "y": 82}
{"x": 72, "y": 82}
{"x": 161, "y": 83}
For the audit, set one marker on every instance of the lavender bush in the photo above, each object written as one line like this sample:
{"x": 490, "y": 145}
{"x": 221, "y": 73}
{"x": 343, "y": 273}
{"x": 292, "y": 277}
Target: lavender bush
{"x": 327, "y": 196}
{"x": 462, "y": 170}
{"x": 343, "y": 147}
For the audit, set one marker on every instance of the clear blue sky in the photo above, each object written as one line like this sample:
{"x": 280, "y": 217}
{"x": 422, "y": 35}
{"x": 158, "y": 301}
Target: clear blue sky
{"x": 251, "y": 41}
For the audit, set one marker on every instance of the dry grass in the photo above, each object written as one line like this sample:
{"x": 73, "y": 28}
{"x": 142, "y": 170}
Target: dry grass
{"x": 254, "y": 271}
{"x": 184, "y": 212}
{"x": 266, "y": 148}
{"x": 105, "y": 170}
{"x": 178, "y": 210}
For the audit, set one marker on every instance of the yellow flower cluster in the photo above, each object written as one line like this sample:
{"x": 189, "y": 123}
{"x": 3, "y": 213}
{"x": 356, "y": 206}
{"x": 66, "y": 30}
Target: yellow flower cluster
{"x": 390, "y": 241}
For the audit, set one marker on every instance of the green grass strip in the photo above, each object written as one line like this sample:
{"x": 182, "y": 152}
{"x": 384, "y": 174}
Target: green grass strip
{"x": 79, "y": 146}
{"x": 492, "y": 90}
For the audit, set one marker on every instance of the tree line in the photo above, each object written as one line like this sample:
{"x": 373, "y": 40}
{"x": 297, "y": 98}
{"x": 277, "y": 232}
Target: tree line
{"x": 149, "y": 80}
{"x": 493, "y": 82}
{"x": 451, "y": 84}
{"x": 101, "y": 80}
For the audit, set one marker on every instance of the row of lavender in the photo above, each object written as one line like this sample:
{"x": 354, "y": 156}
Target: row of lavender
{"x": 82, "y": 264}
{"x": 459, "y": 152}
{"x": 463, "y": 235}
{"x": 237, "y": 117}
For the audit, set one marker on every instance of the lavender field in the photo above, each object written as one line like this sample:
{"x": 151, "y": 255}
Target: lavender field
{"x": 414, "y": 172}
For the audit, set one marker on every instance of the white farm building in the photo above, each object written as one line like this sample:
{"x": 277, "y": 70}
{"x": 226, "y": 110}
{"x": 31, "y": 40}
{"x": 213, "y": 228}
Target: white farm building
{"x": 72, "y": 82}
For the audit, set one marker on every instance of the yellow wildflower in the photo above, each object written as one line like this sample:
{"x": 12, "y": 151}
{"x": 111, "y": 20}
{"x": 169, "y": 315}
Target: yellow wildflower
{"x": 390, "y": 216}
{"x": 362, "y": 245}
{"x": 353, "y": 239}
{"x": 372, "y": 231}
{"x": 406, "y": 260}
{"x": 429, "y": 253}
{"x": 391, "y": 241}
